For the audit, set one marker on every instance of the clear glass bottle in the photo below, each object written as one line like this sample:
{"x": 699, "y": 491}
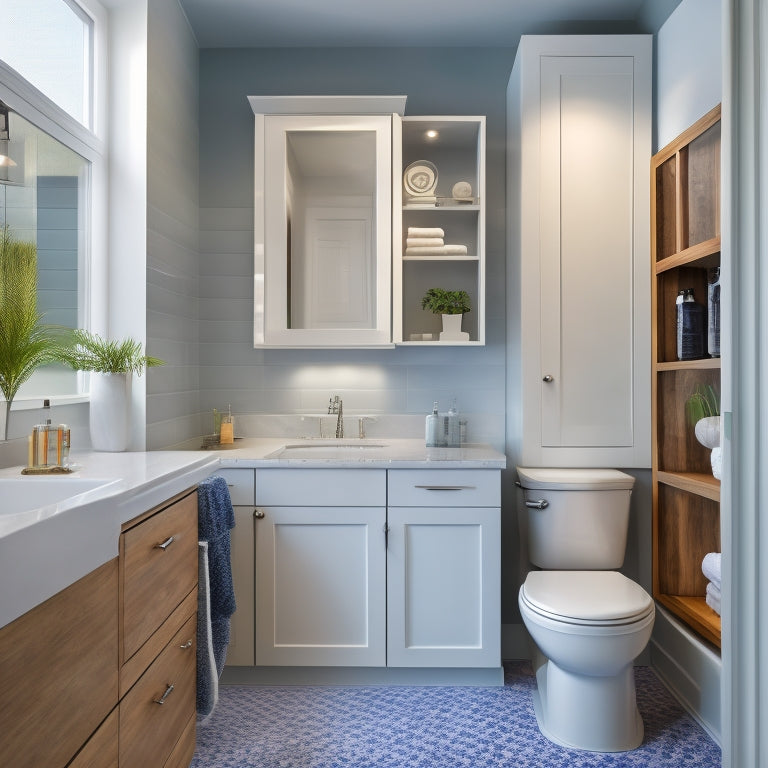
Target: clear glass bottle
{"x": 431, "y": 431}
{"x": 713, "y": 312}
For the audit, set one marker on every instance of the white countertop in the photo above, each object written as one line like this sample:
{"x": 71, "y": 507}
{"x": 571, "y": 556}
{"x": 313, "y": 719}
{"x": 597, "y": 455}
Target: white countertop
{"x": 44, "y": 550}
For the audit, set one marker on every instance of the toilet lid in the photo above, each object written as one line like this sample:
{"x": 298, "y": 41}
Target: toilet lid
{"x": 586, "y": 595}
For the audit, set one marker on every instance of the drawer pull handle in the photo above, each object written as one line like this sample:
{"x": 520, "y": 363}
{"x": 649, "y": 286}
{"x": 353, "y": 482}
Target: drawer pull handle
{"x": 167, "y": 693}
{"x": 186, "y": 645}
{"x": 447, "y": 487}
{"x": 165, "y": 544}
{"x": 540, "y": 504}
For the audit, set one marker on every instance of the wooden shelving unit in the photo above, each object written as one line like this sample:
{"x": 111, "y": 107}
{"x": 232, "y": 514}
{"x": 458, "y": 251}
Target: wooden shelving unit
{"x": 685, "y": 244}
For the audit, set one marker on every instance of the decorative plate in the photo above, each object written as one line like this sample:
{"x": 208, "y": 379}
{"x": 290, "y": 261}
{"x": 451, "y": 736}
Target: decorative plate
{"x": 420, "y": 178}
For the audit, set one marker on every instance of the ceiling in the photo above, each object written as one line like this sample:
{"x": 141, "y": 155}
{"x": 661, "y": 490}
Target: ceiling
{"x": 411, "y": 23}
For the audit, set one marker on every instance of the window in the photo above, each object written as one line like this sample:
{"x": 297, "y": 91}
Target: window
{"x": 49, "y": 43}
{"x": 53, "y": 191}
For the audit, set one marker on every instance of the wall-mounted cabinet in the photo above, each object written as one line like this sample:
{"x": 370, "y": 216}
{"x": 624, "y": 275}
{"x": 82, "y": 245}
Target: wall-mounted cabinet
{"x": 685, "y": 246}
{"x": 322, "y": 225}
{"x": 450, "y": 220}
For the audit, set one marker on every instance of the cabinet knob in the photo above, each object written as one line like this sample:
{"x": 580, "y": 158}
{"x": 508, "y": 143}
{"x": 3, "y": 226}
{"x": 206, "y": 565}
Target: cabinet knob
{"x": 548, "y": 379}
{"x": 258, "y": 513}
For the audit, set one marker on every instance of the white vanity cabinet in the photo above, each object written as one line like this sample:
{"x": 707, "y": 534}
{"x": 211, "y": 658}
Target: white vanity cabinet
{"x": 579, "y": 140}
{"x": 453, "y": 148}
{"x": 241, "y": 628}
{"x": 444, "y": 568}
{"x": 323, "y": 220}
{"x": 320, "y": 567}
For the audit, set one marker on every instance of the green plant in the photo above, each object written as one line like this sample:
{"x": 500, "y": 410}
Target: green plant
{"x": 26, "y": 343}
{"x": 702, "y": 402}
{"x": 90, "y": 352}
{"x": 442, "y": 302}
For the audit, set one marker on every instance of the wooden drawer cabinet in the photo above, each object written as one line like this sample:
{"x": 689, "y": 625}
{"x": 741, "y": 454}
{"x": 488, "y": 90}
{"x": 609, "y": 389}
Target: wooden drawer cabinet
{"x": 156, "y": 711}
{"x": 54, "y": 695}
{"x": 158, "y": 569}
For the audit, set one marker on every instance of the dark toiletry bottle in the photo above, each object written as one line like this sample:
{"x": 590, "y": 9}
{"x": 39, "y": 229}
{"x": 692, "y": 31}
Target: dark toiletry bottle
{"x": 691, "y": 326}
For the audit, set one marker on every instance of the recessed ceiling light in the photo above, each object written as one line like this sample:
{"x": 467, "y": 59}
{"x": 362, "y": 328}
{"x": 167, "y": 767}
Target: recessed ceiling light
{"x": 432, "y": 134}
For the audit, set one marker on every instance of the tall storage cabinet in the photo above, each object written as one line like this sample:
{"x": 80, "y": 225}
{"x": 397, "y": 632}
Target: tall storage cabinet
{"x": 685, "y": 245}
{"x": 579, "y": 141}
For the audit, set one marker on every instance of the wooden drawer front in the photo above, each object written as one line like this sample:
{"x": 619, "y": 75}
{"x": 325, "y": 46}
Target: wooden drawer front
{"x": 156, "y": 580}
{"x": 444, "y": 488}
{"x": 101, "y": 749}
{"x": 58, "y": 672}
{"x": 149, "y": 731}
{"x": 240, "y": 484}
{"x": 321, "y": 487}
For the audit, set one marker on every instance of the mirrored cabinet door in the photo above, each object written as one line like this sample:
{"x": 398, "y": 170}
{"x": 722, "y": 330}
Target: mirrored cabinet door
{"x": 327, "y": 202}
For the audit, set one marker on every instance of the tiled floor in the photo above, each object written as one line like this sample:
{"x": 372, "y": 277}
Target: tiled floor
{"x": 399, "y": 727}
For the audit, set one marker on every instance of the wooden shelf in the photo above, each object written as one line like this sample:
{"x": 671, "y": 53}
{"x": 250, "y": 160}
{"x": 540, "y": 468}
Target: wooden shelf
{"x": 703, "y": 255}
{"x": 695, "y": 612}
{"x": 692, "y": 482}
{"x": 704, "y": 364}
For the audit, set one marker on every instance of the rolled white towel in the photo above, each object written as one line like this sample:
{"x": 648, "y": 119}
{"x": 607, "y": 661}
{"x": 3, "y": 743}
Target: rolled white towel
{"x": 711, "y": 567}
{"x": 425, "y": 232}
{"x": 443, "y": 250}
{"x": 427, "y": 242}
{"x": 713, "y": 597}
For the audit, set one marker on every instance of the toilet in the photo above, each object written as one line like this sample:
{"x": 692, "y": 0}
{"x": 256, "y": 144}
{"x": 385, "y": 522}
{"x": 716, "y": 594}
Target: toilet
{"x": 588, "y": 621}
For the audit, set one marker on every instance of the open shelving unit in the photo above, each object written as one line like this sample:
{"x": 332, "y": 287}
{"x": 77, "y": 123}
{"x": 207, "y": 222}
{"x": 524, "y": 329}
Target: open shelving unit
{"x": 685, "y": 244}
{"x": 457, "y": 150}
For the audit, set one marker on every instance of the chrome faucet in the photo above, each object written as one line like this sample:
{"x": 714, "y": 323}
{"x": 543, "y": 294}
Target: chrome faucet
{"x": 336, "y": 405}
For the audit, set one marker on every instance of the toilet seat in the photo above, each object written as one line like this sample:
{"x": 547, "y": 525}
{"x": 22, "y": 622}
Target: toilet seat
{"x": 592, "y": 598}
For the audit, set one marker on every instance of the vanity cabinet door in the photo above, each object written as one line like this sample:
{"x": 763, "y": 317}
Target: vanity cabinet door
{"x": 443, "y": 587}
{"x": 320, "y": 586}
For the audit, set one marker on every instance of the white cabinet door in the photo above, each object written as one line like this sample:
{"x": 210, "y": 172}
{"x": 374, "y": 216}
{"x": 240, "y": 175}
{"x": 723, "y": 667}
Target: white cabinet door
{"x": 443, "y": 587}
{"x": 320, "y": 586}
{"x": 579, "y": 147}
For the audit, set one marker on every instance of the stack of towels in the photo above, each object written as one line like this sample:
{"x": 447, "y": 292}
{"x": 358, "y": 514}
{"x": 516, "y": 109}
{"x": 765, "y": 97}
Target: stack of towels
{"x": 428, "y": 241}
{"x": 710, "y": 567}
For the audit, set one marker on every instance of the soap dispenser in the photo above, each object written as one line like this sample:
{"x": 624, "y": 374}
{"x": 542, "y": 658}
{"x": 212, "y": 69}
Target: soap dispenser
{"x": 432, "y": 427}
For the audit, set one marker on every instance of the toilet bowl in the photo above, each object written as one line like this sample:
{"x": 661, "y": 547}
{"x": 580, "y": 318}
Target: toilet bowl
{"x": 588, "y": 627}
{"x": 588, "y": 621}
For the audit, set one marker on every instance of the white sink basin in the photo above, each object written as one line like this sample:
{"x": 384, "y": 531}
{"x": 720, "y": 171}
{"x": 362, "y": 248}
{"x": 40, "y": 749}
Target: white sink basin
{"x": 22, "y": 494}
{"x": 342, "y": 449}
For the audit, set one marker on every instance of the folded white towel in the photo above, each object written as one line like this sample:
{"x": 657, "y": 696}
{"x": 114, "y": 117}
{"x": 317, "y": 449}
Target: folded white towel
{"x": 443, "y": 250}
{"x": 711, "y": 567}
{"x": 425, "y": 232}
{"x": 416, "y": 199}
{"x": 427, "y": 242}
{"x": 713, "y": 597}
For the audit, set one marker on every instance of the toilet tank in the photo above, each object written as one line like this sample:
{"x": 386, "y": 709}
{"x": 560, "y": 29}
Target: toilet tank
{"x": 577, "y": 519}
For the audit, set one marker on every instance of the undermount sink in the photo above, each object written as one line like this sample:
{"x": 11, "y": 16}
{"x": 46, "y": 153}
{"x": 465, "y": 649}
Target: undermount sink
{"x": 318, "y": 448}
{"x": 21, "y": 494}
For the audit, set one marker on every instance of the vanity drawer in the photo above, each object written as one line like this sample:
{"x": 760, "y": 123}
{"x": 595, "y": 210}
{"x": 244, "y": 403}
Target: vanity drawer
{"x": 444, "y": 488}
{"x": 240, "y": 484}
{"x": 321, "y": 487}
{"x": 159, "y": 569}
{"x": 149, "y": 730}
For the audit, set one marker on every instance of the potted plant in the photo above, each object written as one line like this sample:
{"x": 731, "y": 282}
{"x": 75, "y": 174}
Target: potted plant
{"x": 702, "y": 409}
{"x": 451, "y": 305}
{"x": 111, "y": 364}
{"x": 26, "y": 342}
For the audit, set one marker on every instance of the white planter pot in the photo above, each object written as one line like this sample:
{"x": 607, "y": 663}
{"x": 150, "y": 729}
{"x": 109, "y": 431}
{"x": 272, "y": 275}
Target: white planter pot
{"x": 707, "y": 431}
{"x": 717, "y": 462}
{"x": 110, "y": 411}
{"x": 452, "y": 329}
{"x": 3, "y": 420}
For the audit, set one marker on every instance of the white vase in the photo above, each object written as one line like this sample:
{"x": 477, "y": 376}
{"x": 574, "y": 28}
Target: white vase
{"x": 110, "y": 411}
{"x": 3, "y": 419}
{"x": 717, "y": 462}
{"x": 707, "y": 431}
